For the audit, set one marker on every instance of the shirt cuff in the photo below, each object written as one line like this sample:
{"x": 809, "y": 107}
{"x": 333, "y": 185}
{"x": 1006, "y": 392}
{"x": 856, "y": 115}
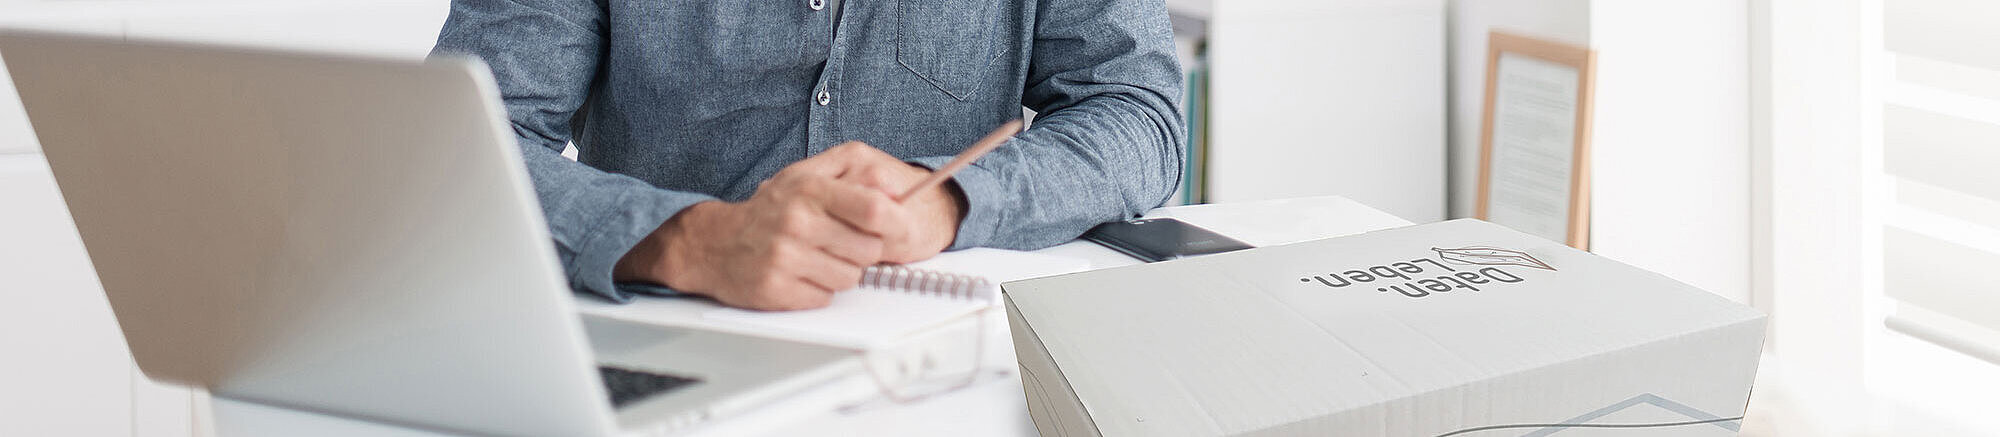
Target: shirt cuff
{"x": 983, "y": 198}
{"x": 641, "y": 213}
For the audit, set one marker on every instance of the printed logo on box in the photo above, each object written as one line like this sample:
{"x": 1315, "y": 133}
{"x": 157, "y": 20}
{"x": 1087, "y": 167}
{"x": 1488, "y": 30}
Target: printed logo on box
{"x": 1488, "y": 267}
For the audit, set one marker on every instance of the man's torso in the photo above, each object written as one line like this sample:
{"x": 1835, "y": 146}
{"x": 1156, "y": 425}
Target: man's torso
{"x": 716, "y": 96}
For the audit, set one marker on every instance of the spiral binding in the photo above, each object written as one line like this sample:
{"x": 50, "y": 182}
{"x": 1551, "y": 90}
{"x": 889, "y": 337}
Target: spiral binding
{"x": 926, "y": 282}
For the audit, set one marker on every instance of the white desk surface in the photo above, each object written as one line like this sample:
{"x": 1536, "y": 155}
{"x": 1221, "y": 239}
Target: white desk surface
{"x": 995, "y": 407}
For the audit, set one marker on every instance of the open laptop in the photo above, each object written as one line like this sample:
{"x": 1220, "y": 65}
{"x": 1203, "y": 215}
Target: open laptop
{"x": 355, "y": 237}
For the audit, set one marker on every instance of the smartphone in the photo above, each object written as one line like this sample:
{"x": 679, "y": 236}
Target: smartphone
{"x": 1161, "y": 239}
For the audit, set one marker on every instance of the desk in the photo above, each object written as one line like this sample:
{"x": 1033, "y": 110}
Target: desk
{"x": 994, "y": 408}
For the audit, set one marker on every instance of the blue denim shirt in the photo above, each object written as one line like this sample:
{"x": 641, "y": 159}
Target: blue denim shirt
{"x": 672, "y": 102}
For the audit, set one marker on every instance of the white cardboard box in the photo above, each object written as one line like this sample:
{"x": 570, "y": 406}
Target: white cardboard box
{"x": 1460, "y": 328}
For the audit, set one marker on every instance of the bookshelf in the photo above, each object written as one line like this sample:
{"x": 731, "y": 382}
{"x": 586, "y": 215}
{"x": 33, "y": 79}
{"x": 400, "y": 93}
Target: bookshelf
{"x": 1190, "y": 20}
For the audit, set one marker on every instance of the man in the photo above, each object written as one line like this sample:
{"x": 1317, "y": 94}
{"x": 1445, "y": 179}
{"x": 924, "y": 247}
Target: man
{"x": 717, "y": 139}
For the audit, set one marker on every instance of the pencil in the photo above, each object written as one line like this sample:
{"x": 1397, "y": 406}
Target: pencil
{"x": 991, "y": 141}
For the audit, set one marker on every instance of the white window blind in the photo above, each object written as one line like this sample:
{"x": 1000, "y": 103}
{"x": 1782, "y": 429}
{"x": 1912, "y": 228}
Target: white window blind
{"x": 1941, "y": 156}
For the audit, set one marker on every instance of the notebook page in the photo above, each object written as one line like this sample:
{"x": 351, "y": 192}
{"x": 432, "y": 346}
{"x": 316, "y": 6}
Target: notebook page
{"x": 857, "y": 318}
{"x": 864, "y": 317}
{"x": 1001, "y": 265}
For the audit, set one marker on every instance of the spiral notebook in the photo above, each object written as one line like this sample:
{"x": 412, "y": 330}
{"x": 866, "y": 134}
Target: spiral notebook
{"x": 895, "y": 302}
{"x": 892, "y": 301}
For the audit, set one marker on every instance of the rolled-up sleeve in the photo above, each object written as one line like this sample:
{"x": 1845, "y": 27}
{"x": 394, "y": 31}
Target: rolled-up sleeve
{"x": 1106, "y": 142}
{"x": 545, "y": 55}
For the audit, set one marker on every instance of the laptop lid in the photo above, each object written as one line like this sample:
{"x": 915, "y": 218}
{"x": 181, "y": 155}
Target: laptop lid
{"x": 345, "y": 235}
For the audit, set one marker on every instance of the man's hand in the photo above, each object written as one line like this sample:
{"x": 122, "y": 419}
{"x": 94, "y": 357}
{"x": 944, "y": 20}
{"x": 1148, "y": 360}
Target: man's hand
{"x": 809, "y": 231}
{"x": 800, "y": 238}
{"x": 932, "y": 216}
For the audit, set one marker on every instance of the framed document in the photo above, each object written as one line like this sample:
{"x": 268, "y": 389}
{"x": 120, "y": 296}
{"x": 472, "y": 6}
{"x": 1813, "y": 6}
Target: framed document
{"x": 1534, "y": 141}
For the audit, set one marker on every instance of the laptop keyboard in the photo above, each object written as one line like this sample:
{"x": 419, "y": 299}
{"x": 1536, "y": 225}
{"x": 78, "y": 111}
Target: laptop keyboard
{"x": 628, "y": 386}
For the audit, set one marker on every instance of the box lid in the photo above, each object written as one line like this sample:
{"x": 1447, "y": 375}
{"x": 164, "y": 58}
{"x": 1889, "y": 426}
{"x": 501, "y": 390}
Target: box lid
{"x": 1255, "y": 339}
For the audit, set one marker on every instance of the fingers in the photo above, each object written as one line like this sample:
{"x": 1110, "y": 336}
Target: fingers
{"x": 858, "y": 163}
{"x": 906, "y": 231}
{"x": 787, "y": 277}
{"x": 878, "y": 170}
{"x": 852, "y": 247}
{"x": 894, "y": 179}
{"x": 809, "y": 224}
{"x": 869, "y": 210}
{"x": 839, "y": 160}
{"x": 824, "y": 271}
{"x": 822, "y": 222}
{"x": 883, "y": 172}
{"x": 797, "y": 277}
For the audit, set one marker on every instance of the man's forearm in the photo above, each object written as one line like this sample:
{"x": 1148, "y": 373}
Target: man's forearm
{"x": 651, "y": 260}
{"x": 596, "y": 217}
{"x": 1107, "y": 141}
{"x": 1101, "y": 160}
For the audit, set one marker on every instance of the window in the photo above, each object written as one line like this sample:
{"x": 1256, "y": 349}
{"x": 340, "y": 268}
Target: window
{"x": 1878, "y": 215}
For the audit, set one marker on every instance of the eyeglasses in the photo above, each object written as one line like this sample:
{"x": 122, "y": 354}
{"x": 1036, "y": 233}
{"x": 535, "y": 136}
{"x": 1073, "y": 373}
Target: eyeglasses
{"x": 922, "y": 368}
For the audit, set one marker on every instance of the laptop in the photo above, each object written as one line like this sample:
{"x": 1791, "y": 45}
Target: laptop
{"x": 355, "y": 237}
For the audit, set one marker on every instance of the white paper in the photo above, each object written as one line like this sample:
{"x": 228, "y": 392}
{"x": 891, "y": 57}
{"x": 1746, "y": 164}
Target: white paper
{"x": 1534, "y": 146}
{"x": 864, "y": 317}
{"x": 857, "y": 318}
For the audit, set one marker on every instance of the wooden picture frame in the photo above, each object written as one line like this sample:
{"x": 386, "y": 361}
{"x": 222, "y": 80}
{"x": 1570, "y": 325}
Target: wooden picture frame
{"x": 1536, "y": 112}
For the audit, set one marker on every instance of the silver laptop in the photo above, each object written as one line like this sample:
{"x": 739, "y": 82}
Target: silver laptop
{"x": 354, "y": 237}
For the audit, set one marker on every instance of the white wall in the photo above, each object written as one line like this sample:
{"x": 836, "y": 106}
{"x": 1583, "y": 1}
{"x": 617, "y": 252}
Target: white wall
{"x": 398, "y": 28}
{"x": 1670, "y": 144}
{"x": 1315, "y": 97}
{"x": 1671, "y": 148}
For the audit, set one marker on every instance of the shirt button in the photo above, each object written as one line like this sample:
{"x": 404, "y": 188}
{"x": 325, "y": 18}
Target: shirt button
{"x": 824, "y": 98}
{"x": 817, "y": 4}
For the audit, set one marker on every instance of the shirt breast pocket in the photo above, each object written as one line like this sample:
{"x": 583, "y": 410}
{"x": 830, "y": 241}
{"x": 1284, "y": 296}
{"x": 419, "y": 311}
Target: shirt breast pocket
{"x": 951, "y": 44}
